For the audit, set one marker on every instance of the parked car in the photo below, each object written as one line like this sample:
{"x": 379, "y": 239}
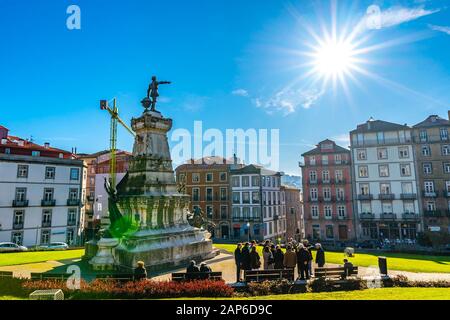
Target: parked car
{"x": 370, "y": 244}
{"x": 11, "y": 247}
{"x": 55, "y": 246}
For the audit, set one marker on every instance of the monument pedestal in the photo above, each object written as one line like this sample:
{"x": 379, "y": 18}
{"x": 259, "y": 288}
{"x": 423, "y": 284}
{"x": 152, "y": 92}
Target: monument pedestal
{"x": 104, "y": 258}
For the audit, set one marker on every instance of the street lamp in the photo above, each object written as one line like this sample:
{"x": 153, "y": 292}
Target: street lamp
{"x": 248, "y": 230}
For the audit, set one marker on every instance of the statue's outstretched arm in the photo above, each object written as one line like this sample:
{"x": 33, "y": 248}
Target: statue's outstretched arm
{"x": 164, "y": 82}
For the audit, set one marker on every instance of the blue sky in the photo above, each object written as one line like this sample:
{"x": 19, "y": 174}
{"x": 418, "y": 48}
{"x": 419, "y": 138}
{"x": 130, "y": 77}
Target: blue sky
{"x": 233, "y": 64}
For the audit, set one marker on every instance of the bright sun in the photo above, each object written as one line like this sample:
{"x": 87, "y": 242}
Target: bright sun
{"x": 333, "y": 58}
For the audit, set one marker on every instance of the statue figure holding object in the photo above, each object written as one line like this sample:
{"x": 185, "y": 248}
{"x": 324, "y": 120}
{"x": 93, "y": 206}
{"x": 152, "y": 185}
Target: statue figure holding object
{"x": 152, "y": 91}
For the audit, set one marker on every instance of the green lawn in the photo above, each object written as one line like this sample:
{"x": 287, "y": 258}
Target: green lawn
{"x": 369, "y": 294}
{"x": 395, "y": 261}
{"x": 8, "y": 259}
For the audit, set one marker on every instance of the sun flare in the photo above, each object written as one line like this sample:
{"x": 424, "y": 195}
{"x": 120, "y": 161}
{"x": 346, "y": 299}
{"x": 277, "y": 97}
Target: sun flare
{"x": 333, "y": 58}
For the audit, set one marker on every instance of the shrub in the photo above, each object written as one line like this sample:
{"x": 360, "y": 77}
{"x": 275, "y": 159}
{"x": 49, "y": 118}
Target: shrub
{"x": 100, "y": 289}
{"x": 403, "y": 281}
{"x": 12, "y": 287}
{"x": 323, "y": 285}
{"x": 269, "y": 287}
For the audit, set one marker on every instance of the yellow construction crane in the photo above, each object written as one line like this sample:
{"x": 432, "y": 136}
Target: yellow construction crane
{"x": 114, "y": 112}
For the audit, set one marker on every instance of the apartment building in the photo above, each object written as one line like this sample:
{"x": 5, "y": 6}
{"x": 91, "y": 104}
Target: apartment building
{"x": 258, "y": 205}
{"x": 432, "y": 149}
{"x": 295, "y": 227}
{"x": 385, "y": 188}
{"x": 207, "y": 181}
{"x": 327, "y": 187}
{"x": 41, "y": 192}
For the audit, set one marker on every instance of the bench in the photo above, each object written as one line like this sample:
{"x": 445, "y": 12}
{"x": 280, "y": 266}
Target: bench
{"x": 124, "y": 277}
{"x": 50, "y": 276}
{"x": 334, "y": 272}
{"x": 6, "y": 274}
{"x": 262, "y": 275}
{"x": 184, "y": 276}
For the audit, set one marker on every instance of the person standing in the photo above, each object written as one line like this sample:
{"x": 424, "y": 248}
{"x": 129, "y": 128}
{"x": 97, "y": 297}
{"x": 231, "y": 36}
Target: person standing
{"x": 245, "y": 257}
{"x": 290, "y": 259}
{"x": 255, "y": 262}
{"x": 238, "y": 261}
{"x": 320, "y": 255}
{"x": 302, "y": 262}
{"x": 267, "y": 258}
{"x": 278, "y": 258}
{"x": 308, "y": 248}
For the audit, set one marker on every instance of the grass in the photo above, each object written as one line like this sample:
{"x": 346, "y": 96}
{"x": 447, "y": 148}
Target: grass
{"x": 9, "y": 259}
{"x": 395, "y": 261}
{"x": 369, "y": 294}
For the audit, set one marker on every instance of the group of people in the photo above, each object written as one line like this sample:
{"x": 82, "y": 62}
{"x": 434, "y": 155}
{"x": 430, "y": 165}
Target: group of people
{"x": 298, "y": 254}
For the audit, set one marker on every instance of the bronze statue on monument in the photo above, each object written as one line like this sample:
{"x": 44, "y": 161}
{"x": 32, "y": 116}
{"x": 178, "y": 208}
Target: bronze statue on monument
{"x": 152, "y": 92}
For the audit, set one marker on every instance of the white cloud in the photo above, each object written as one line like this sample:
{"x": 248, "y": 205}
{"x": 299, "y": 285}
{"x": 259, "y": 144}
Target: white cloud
{"x": 288, "y": 100}
{"x": 240, "y": 92}
{"x": 194, "y": 103}
{"x": 342, "y": 139}
{"x": 440, "y": 28}
{"x": 397, "y": 15}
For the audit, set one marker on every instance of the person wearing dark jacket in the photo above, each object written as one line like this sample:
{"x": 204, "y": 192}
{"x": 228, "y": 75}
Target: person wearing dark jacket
{"x": 238, "y": 261}
{"x": 139, "y": 272}
{"x": 320, "y": 255}
{"x": 308, "y": 248}
{"x": 245, "y": 257}
{"x": 255, "y": 262}
{"x": 278, "y": 257}
{"x": 302, "y": 262}
{"x": 204, "y": 267}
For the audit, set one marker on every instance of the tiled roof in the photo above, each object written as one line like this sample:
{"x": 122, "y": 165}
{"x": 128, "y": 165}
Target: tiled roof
{"x": 319, "y": 150}
{"x": 379, "y": 125}
{"x": 432, "y": 121}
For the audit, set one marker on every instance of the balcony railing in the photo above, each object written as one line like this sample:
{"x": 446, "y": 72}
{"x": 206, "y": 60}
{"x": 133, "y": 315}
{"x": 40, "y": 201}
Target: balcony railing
{"x": 340, "y": 181}
{"x": 430, "y": 194}
{"x": 366, "y": 216}
{"x": 48, "y": 203}
{"x": 328, "y": 199}
{"x": 73, "y": 202}
{"x": 386, "y": 196}
{"x": 46, "y": 224}
{"x": 17, "y": 226}
{"x": 365, "y": 196}
{"x": 388, "y": 216}
{"x": 408, "y": 196}
{"x": 20, "y": 203}
{"x": 71, "y": 222}
{"x": 410, "y": 216}
{"x": 369, "y": 143}
{"x": 341, "y": 199}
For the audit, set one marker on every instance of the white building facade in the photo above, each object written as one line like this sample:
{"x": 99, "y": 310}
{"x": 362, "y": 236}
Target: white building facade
{"x": 385, "y": 181}
{"x": 258, "y": 205}
{"x": 40, "y": 200}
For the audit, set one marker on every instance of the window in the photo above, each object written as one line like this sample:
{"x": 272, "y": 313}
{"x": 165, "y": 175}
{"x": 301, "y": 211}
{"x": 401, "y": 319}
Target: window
{"x": 339, "y": 175}
{"x": 195, "y": 194}
{"x": 363, "y": 171}
{"x": 48, "y": 194}
{"x": 22, "y": 171}
{"x": 209, "y": 194}
{"x": 329, "y": 232}
{"x": 314, "y": 212}
{"x": 312, "y": 160}
{"x": 70, "y": 236}
{"x": 46, "y": 218}
{"x": 236, "y": 212}
{"x": 18, "y": 219}
{"x": 235, "y": 181}
{"x": 209, "y": 212}
{"x": 313, "y": 193}
{"x": 380, "y": 137}
{"x": 195, "y": 177}
{"x": 209, "y": 177}
{"x": 361, "y": 154}
{"x": 246, "y": 212}
{"x": 403, "y": 152}
{"x": 326, "y": 176}
{"x": 326, "y": 193}
{"x": 223, "y": 212}
{"x": 447, "y": 186}
{"x": 236, "y": 197}
{"x": 72, "y": 216}
{"x": 255, "y": 181}
{"x": 444, "y": 134}
{"x": 447, "y": 167}
{"x": 74, "y": 174}
{"x": 386, "y": 207}
{"x": 17, "y": 238}
{"x": 426, "y": 152}
{"x": 73, "y": 194}
{"x": 50, "y": 173}
{"x": 223, "y": 194}
{"x": 337, "y": 159}
{"x": 383, "y": 170}
{"x": 223, "y": 176}
{"x": 35, "y": 153}
{"x": 405, "y": 169}
{"x": 341, "y": 211}
{"x": 385, "y": 188}
{"x": 45, "y": 236}
{"x": 21, "y": 194}
{"x": 325, "y": 160}
{"x": 366, "y": 207}
{"x": 364, "y": 189}
{"x": 255, "y": 197}
{"x": 256, "y": 213}
{"x": 429, "y": 186}
{"x": 7, "y": 150}
{"x": 316, "y": 231}
{"x": 423, "y": 135}
{"x": 340, "y": 193}
{"x": 245, "y": 197}
{"x": 407, "y": 187}
{"x": 313, "y": 176}
{"x": 245, "y": 181}
{"x": 327, "y": 212}
{"x": 408, "y": 207}
{"x": 431, "y": 206}
{"x": 427, "y": 168}
{"x": 382, "y": 153}
{"x": 445, "y": 150}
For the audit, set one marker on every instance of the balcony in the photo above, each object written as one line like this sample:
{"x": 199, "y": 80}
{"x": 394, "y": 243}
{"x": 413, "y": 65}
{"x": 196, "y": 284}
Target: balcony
{"x": 430, "y": 194}
{"x": 388, "y": 216}
{"x": 73, "y": 202}
{"x": 17, "y": 226}
{"x": 408, "y": 196}
{"x": 70, "y": 222}
{"x": 48, "y": 203}
{"x": 46, "y": 224}
{"x": 364, "y": 197}
{"x": 20, "y": 203}
{"x": 341, "y": 199}
{"x": 340, "y": 181}
{"x": 328, "y": 181}
{"x": 386, "y": 196}
{"x": 384, "y": 142}
{"x": 366, "y": 216}
{"x": 410, "y": 216}
{"x": 328, "y": 199}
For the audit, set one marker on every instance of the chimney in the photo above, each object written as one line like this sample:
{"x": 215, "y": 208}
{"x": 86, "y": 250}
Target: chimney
{"x": 46, "y": 145}
{"x": 448, "y": 114}
{"x": 4, "y": 132}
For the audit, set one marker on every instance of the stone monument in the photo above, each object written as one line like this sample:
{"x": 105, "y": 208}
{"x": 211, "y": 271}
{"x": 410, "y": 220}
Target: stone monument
{"x": 157, "y": 230}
